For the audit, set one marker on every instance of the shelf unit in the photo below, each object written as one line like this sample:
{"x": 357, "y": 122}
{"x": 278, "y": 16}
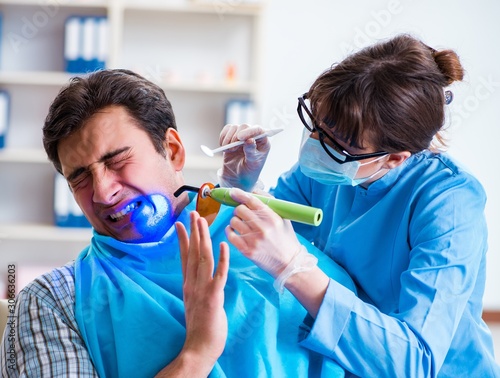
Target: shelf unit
{"x": 185, "y": 46}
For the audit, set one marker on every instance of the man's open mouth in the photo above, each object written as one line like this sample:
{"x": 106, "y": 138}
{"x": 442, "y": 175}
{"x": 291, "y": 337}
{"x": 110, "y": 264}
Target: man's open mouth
{"x": 119, "y": 215}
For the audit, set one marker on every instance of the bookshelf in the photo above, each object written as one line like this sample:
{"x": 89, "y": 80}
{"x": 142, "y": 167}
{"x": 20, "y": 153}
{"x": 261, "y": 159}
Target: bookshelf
{"x": 185, "y": 46}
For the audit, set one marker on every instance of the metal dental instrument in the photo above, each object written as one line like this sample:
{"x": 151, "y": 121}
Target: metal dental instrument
{"x": 211, "y": 152}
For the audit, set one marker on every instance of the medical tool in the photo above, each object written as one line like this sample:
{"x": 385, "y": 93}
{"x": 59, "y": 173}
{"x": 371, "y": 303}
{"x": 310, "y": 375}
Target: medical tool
{"x": 210, "y": 198}
{"x": 211, "y": 152}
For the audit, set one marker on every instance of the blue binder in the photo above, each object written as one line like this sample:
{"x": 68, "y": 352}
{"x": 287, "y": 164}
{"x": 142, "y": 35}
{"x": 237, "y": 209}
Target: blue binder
{"x": 4, "y": 117}
{"x": 239, "y": 111}
{"x": 85, "y": 43}
{"x": 1, "y": 27}
{"x": 67, "y": 213}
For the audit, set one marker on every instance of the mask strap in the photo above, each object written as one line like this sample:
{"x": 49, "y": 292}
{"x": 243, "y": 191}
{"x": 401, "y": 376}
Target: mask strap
{"x": 374, "y": 160}
{"x": 363, "y": 179}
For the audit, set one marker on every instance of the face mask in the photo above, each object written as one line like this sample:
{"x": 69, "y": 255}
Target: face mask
{"x": 315, "y": 164}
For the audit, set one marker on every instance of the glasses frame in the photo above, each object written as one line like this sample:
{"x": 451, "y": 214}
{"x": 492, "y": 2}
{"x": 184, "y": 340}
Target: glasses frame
{"x": 322, "y": 135}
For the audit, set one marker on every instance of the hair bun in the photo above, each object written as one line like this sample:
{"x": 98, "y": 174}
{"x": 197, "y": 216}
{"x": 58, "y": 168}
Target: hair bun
{"x": 449, "y": 65}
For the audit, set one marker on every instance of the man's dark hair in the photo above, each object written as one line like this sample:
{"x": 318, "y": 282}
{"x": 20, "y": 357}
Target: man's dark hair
{"x": 84, "y": 96}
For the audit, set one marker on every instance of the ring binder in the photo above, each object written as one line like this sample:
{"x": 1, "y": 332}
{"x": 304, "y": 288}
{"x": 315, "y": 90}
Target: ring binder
{"x": 4, "y": 116}
{"x": 67, "y": 213}
{"x": 86, "y": 43}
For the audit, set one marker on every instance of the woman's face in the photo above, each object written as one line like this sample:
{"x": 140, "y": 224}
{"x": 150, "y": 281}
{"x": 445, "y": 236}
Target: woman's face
{"x": 368, "y": 167}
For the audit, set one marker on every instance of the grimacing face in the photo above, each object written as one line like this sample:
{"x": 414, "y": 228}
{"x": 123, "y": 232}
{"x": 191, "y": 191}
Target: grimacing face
{"x": 122, "y": 184}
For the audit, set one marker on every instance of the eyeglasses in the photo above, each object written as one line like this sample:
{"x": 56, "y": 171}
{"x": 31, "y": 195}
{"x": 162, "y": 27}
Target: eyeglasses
{"x": 332, "y": 147}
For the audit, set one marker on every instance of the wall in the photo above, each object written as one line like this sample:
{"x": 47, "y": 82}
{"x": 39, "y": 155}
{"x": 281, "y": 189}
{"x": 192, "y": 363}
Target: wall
{"x": 301, "y": 39}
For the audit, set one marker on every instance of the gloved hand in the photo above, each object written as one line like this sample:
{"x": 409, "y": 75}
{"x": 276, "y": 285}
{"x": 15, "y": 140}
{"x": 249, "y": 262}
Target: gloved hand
{"x": 262, "y": 235}
{"x": 243, "y": 164}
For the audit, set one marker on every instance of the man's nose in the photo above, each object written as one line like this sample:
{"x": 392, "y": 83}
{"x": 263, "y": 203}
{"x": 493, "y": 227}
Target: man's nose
{"x": 106, "y": 186}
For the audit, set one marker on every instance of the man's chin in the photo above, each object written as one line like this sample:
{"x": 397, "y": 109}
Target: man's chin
{"x": 151, "y": 235}
{"x": 127, "y": 233}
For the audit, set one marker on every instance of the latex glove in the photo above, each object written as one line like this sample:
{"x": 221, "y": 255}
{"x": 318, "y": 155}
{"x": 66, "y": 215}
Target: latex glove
{"x": 206, "y": 321}
{"x": 261, "y": 235}
{"x": 243, "y": 164}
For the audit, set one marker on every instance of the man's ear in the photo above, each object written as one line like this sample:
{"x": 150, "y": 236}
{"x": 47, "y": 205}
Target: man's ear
{"x": 396, "y": 159}
{"x": 175, "y": 149}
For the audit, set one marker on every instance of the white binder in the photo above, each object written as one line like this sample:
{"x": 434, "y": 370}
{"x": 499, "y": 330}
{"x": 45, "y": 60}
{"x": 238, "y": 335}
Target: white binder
{"x": 86, "y": 43}
{"x": 240, "y": 111}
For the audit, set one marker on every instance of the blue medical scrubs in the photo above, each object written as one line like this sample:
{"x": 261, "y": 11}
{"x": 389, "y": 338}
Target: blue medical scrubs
{"x": 415, "y": 244}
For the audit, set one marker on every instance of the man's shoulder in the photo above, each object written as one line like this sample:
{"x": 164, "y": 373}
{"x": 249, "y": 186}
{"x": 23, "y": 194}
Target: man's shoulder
{"x": 56, "y": 287}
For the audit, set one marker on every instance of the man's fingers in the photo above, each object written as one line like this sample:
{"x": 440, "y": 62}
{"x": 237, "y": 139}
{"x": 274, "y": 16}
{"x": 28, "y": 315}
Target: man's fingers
{"x": 194, "y": 247}
{"x": 206, "y": 261}
{"x": 197, "y": 257}
{"x": 220, "y": 276}
{"x": 183, "y": 246}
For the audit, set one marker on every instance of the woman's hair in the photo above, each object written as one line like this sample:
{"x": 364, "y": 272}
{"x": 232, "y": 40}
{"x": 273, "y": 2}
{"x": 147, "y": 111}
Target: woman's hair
{"x": 85, "y": 96}
{"x": 391, "y": 92}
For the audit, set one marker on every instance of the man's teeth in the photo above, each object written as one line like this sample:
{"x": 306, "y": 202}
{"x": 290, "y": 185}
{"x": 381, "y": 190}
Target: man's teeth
{"x": 124, "y": 212}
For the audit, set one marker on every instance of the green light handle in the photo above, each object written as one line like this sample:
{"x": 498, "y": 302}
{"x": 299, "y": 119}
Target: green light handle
{"x": 285, "y": 209}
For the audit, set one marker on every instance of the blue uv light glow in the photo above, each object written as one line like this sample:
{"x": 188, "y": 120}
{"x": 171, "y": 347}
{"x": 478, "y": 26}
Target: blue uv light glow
{"x": 153, "y": 218}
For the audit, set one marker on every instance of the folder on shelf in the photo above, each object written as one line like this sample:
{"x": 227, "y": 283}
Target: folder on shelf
{"x": 239, "y": 111}
{"x": 4, "y": 116}
{"x": 1, "y": 29}
{"x": 85, "y": 43}
{"x": 102, "y": 47}
{"x": 67, "y": 213}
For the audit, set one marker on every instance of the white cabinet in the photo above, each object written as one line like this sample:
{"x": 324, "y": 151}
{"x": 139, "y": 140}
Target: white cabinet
{"x": 202, "y": 53}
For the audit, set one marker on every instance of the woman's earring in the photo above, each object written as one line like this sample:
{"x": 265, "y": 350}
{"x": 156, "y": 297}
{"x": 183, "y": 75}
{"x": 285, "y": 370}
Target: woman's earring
{"x": 448, "y": 97}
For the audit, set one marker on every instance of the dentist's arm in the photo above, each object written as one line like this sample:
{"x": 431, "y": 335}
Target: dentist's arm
{"x": 270, "y": 242}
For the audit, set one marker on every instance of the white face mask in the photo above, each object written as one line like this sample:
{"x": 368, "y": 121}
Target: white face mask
{"x": 316, "y": 164}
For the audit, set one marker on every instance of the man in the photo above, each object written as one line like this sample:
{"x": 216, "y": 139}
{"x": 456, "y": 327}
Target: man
{"x": 119, "y": 309}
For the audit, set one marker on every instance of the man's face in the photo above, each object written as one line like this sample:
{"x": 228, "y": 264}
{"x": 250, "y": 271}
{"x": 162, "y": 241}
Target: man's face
{"x": 123, "y": 186}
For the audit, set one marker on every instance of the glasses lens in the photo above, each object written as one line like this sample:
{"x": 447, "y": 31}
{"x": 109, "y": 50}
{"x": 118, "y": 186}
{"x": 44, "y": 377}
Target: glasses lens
{"x": 329, "y": 144}
{"x": 305, "y": 114}
{"x": 332, "y": 149}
